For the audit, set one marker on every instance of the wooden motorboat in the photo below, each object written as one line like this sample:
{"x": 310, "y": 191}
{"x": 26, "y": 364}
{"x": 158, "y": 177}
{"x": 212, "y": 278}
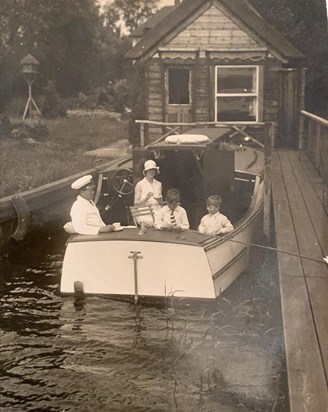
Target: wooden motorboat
{"x": 159, "y": 264}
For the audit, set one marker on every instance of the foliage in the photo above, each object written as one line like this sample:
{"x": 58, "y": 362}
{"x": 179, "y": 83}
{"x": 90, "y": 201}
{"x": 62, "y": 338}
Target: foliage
{"x": 121, "y": 92}
{"x": 137, "y": 102}
{"x": 52, "y": 106}
{"x": 5, "y": 125}
{"x": 304, "y": 23}
{"x": 132, "y": 12}
{"x": 27, "y": 163}
{"x": 69, "y": 39}
{"x": 34, "y": 131}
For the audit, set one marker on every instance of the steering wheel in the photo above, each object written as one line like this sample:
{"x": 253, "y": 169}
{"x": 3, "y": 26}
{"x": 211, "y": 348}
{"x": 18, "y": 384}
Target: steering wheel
{"x": 122, "y": 181}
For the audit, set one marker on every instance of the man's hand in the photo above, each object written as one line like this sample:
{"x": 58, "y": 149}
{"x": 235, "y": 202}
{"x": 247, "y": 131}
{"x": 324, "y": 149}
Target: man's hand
{"x": 106, "y": 229}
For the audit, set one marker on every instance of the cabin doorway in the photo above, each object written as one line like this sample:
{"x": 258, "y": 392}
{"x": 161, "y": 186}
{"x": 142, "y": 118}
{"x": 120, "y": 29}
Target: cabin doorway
{"x": 178, "y": 94}
{"x": 288, "y": 108}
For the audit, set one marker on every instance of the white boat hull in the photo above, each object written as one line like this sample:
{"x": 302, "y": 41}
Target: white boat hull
{"x": 163, "y": 269}
{"x": 188, "y": 265}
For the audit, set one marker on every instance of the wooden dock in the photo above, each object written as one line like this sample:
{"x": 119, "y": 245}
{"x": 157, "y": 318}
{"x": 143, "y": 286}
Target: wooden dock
{"x": 301, "y": 223}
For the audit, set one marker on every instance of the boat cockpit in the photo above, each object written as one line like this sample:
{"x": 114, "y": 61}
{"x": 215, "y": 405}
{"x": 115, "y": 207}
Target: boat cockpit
{"x": 196, "y": 165}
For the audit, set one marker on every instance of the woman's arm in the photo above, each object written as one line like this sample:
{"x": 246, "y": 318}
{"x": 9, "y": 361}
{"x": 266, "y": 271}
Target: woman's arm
{"x": 138, "y": 201}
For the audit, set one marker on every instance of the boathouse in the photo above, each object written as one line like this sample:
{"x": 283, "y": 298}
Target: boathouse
{"x": 218, "y": 61}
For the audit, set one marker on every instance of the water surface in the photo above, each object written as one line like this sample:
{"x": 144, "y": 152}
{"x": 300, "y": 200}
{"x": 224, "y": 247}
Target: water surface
{"x": 114, "y": 356}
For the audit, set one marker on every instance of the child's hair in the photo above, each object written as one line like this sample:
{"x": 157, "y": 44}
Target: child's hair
{"x": 215, "y": 200}
{"x": 173, "y": 195}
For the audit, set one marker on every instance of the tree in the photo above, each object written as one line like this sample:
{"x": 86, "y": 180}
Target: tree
{"x": 132, "y": 12}
{"x": 63, "y": 36}
{"x": 304, "y": 23}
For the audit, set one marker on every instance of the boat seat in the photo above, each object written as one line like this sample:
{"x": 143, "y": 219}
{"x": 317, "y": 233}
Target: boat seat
{"x": 138, "y": 212}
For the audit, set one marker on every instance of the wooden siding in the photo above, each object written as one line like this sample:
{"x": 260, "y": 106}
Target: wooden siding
{"x": 271, "y": 92}
{"x": 203, "y": 93}
{"x": 213, "y": 28}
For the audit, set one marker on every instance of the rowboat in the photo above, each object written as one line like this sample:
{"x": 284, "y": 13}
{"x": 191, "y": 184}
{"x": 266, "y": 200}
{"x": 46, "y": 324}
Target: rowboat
{"x": 157, "y": 264}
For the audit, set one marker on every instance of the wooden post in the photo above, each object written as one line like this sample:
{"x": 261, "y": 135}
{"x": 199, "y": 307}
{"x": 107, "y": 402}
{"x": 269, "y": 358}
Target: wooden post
{"x": 301, "y": 133}
{"x": 317, "y": 131}
{"x": 268, "y": 131}
{"x": 142, "y": 135}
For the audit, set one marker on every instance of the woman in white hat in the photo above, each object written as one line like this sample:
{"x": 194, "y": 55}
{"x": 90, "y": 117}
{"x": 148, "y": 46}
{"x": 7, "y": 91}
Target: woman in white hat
{"x": 148, "y": 192}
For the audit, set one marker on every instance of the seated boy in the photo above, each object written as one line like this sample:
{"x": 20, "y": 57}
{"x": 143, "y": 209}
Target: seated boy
{"x": 214, "y": 223}
{"x": 172, "y": 216}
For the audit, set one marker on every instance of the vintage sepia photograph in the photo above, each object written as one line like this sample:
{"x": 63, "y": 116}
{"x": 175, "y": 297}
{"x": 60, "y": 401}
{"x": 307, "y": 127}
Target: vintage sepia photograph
{"x": 163, "y": 205}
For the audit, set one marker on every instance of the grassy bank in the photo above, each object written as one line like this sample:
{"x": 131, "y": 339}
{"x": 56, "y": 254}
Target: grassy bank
{"x": 27, "y": 163}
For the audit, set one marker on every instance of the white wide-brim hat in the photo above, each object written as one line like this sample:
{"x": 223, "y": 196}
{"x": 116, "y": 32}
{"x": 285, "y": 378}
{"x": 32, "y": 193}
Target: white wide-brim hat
{"x": 81, "y": 182}
{"x": 150, "y": 164}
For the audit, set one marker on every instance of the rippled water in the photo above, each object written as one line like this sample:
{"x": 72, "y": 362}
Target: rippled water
{"x": 114, "y": 356}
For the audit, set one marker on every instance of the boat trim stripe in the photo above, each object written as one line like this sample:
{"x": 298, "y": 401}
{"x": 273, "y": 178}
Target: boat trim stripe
{"x": 233, "y": 261}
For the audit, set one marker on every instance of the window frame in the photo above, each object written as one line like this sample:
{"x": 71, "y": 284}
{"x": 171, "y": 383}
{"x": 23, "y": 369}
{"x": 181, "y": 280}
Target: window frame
{"x": 255, "y": 94}
{"x": 167, "y": 86}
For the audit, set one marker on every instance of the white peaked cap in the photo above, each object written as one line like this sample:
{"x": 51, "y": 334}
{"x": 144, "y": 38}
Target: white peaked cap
{"x": 82, "y": 181}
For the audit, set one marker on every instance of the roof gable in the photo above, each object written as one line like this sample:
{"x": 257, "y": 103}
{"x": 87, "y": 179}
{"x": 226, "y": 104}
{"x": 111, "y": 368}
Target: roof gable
{"x": 240, "y": 11}
{"x": 214, "y": 29}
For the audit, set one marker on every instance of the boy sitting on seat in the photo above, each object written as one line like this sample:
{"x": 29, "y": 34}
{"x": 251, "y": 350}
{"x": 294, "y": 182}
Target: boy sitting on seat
{"x": 172, "y": 216}
{"x": 214, "y": 223}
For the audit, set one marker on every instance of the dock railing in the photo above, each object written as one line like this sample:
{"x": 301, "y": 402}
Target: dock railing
{"x": 314, "y": 141}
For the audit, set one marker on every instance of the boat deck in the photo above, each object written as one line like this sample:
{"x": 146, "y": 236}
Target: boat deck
{"x": 188, "y": 237}
{"x": 301, "y": 223}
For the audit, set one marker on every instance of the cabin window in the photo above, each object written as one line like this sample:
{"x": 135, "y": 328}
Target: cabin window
{"x": 179, "y": 85}
{"x": 237, "y": 93}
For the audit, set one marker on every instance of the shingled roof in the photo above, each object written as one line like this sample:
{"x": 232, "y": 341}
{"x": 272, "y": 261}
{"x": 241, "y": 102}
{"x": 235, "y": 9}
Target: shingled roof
{"x": 152, "y": 21}
{"x": 239, "y": 8}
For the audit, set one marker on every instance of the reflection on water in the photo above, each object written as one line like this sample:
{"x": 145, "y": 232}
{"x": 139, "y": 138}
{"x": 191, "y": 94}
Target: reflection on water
{"x": 113, "y": 356}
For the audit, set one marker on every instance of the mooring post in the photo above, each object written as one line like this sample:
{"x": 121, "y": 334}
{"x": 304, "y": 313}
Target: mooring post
{"x": 268, "y": 139}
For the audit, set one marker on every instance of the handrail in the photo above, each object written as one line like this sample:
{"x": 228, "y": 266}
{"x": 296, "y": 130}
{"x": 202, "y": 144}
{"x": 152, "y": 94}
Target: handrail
{"x": 217, "y": 124}
{"x": 321, "y": 120}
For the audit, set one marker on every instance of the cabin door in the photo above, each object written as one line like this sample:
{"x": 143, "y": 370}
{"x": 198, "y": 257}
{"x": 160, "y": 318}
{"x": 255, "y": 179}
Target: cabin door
{"x": 178, "y": 94}
{"x": 288, "y": 108}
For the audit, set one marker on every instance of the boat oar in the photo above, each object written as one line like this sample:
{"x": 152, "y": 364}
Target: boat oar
{"x": 324, "y": 260}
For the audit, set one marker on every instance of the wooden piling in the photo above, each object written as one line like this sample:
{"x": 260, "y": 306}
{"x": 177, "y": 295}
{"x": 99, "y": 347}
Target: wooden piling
{"x": 269, "y": 131}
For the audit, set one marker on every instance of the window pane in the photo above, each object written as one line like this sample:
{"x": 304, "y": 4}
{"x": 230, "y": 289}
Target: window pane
{"x": 242, "y": 109}
{"x": 236, "y": 80}
{"x": 179, "y": 86}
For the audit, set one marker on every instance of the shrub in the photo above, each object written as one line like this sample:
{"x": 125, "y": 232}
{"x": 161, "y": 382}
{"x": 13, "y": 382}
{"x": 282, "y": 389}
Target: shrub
{"x": 38, "y": 131}
{"x": 52, "y": 106}
{"x": 121, "y": 90}
{"x": 5, "y": 125}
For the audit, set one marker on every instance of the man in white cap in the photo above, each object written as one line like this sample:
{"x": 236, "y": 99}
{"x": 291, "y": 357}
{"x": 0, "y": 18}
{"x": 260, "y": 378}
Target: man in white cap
{"x": 85, "y": 215}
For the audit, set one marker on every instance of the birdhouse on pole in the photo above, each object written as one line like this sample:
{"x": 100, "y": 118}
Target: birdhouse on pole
{"x": 29, "y": 69}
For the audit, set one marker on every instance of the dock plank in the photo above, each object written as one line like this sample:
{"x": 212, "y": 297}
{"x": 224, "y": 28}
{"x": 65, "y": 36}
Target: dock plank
{"x": 315, "y": 206}
{"x": 320, "y": 188}
{"x": 302, "y": 298}
{"x": 306, "y": 378}
{"x": 318, "y": 292}
{"x": 310, "y": 237}
{"x": 311, "y": 244}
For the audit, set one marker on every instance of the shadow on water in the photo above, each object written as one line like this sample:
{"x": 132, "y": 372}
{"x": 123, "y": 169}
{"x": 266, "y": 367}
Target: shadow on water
{"x": 100, "y": 354}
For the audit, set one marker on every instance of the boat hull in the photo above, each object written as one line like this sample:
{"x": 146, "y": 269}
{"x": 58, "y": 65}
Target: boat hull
{"x": 161, "y": 269}
{"x": 158, "y": 264}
